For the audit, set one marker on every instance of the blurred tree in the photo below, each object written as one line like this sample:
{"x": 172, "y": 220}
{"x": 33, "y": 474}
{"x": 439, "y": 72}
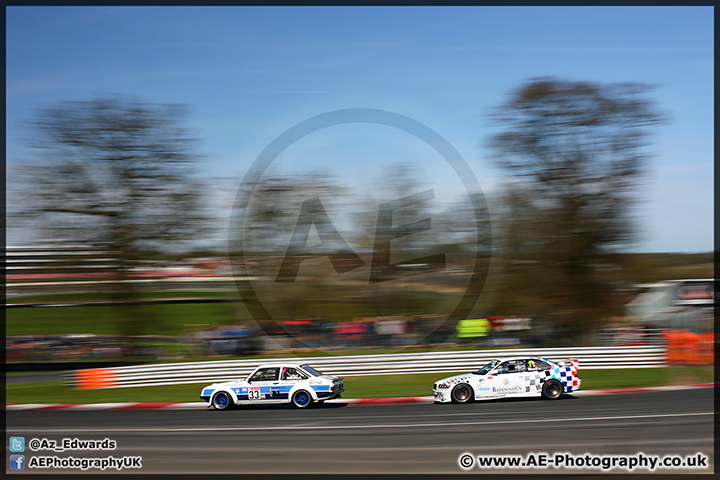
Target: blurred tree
{"x": 577, "y": 151}
{"x": 115, "y": 173}
{"x": 267, "y": 223}
{"x": 304, "y": 272}
{"x": 280, "y": 211}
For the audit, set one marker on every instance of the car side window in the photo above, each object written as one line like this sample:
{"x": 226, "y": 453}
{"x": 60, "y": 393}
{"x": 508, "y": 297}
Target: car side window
{"x": 290, "y": 373}
{"x": 502, "y": 368}
{"x": 513, "y": 366}
{"x": 537, "y": 365}
{"x": 265, "y": 374}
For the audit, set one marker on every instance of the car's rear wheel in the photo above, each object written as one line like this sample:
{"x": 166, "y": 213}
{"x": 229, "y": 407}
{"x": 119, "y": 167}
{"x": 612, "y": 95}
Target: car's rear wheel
{"x": 552, "y": 389}
{"x": 462, "y": 393}
{"x": 301, "y": 399}
{"x": 222, "y": 401}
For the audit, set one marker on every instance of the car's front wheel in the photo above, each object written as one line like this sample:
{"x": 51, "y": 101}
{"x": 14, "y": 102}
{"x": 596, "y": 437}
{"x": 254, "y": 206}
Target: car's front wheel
{"x": 301, "y": 399}
{"x": 552, "y": 389}
{"x": 462, "y": 393}
{"x": 222, "y": 401}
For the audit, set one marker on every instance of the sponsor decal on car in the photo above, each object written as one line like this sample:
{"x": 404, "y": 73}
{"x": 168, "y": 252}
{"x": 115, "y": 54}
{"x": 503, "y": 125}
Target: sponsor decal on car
{"x": 507, "y": 389}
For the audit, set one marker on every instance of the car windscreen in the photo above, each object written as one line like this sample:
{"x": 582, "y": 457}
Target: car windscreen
{"x": 311, "y": 370}
{"x": 484, "y": 370}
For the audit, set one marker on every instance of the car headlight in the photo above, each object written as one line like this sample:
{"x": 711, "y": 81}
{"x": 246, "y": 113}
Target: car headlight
{"x": 440, "y": 386}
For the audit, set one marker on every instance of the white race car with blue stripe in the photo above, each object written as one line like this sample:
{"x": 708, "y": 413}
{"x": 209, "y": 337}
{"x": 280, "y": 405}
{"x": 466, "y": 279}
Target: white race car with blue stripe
{"x": 511, "y": 377}
{"x": 298, "y": 384}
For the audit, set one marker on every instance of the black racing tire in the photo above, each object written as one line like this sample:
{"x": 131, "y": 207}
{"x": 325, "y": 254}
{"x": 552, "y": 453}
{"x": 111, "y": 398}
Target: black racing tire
{"x": 222, "y": 401}
{"x": 462, "y": 393}
{"x": 302, "y": 399}
{"x": 552, "y": 390}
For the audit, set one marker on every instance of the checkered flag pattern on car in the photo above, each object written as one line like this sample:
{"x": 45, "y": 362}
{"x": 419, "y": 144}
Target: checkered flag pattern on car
{"x": 455, "y": 381}
{"x": 566, "y": 374}
{"x": 534, "y": 382}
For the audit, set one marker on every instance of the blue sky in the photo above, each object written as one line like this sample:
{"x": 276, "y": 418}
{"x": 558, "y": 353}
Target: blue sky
{"x": 250, "y": 73}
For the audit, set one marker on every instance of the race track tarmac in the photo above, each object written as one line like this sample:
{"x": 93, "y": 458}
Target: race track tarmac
{"x": 359, "y": 439}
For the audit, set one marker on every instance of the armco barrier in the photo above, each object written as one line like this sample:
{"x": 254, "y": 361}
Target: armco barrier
{"x": 346, "y": 366}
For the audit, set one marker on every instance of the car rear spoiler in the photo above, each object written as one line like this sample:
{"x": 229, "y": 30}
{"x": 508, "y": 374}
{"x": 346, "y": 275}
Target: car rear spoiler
{"x": 573, "y": 363}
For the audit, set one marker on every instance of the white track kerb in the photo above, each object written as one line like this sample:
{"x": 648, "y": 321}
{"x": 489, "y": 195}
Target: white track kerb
{"x": 350, "y": 401}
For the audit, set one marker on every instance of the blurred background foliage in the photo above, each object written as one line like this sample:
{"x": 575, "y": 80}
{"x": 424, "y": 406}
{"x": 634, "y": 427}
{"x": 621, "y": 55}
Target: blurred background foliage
{"x": 120, "y": 177}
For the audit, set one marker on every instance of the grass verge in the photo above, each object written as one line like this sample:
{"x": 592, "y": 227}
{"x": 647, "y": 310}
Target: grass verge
{"x": 376, "y": 386}
{"x": 102, "y": 320}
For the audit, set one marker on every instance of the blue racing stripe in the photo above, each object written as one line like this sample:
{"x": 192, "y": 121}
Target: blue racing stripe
{"x": 268, "y": 392}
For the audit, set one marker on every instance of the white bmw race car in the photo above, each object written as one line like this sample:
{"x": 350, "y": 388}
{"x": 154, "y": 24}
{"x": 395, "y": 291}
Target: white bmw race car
{"x": 512, "y": 377}
{"x": 300, "y": 385}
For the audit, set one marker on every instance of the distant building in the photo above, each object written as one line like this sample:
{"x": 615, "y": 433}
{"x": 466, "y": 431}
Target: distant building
{"x": 675, "y": 305}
